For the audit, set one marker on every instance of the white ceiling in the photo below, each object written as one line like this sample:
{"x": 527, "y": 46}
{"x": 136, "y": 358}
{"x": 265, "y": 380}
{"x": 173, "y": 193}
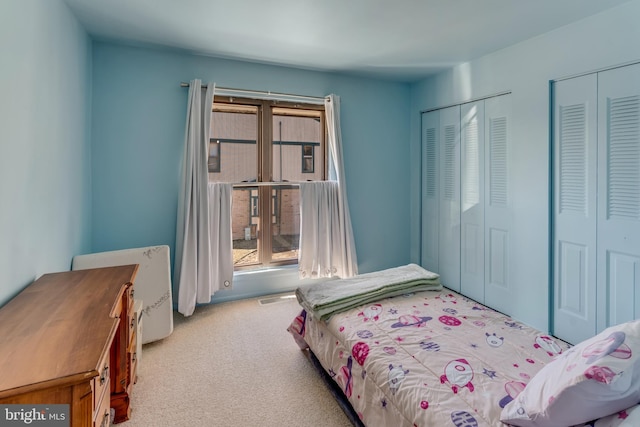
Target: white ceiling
{"x": 393, "y": 39}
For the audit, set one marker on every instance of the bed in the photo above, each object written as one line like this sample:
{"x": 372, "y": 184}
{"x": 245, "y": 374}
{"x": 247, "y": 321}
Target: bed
{"x": 435, "y": 358}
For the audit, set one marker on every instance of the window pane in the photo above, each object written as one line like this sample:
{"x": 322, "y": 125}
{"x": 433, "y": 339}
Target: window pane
{"x": 297, "y": 138}
{"x": 214, "y": 155}
{"x": 245, "y": 226}
{"x": 286, "y": 223}
{"x": 307, "y": 164}
{"x": 236, "y": 129}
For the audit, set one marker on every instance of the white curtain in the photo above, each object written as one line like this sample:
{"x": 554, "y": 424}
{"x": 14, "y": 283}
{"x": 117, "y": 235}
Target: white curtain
{"x": 194, "y": 263}
{"x": 327, "y": 247}
{"x": 220, "y": 204}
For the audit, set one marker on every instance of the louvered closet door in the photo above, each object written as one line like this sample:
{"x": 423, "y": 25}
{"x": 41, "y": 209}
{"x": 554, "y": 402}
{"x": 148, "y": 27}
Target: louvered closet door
{"x": 472, "y": 256}
{"x": 574, "y": 212}
{"x": 498, "y": 289}
{"x": 449, "y": 219}
{"x": 430, "y": 190}
{"x": 618, "y": 225}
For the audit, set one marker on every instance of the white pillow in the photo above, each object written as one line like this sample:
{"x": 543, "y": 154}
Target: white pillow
{"x": 626, "y": 418}
{"x": 596, "y": 378}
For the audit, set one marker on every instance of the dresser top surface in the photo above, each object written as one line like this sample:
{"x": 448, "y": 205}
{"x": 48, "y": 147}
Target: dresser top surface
{"x": 60, "y": 326}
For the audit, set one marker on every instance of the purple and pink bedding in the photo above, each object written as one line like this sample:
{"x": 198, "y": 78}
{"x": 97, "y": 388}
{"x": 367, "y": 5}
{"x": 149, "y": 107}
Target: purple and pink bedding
{"x": 430, "y": 358}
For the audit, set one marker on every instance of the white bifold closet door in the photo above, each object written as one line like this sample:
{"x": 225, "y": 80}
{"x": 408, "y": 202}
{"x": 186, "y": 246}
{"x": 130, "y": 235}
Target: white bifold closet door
{"x": 618, "y": 249}
{"x": 596, "y": 202}
{"x": 472, "y": 192}
{"x": 430, "y": 190}
{"x": 449, "y": 198}
{"x": 441, "y": 194}
{"x": 498, "y": 285}
{"x": 465, "y": 199}
{"x": 575, "y": 191}
{"x": 485, "y": 215}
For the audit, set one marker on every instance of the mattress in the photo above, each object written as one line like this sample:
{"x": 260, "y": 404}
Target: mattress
{"x": 152, "y": 284}
{"x": 432, "y": 358}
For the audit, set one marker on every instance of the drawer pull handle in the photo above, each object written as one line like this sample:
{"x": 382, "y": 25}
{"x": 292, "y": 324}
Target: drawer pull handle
{"x": 105, "y": 373}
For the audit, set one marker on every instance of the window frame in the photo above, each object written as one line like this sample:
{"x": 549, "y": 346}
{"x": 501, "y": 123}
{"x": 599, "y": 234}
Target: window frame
{"x": 264, "y": 147}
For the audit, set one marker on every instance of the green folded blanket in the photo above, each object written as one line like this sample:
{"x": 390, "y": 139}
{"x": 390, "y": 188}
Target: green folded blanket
{"x": 334, "y": 296}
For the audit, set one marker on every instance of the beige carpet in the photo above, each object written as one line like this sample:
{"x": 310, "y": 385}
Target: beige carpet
{"x": 231, "y": 364}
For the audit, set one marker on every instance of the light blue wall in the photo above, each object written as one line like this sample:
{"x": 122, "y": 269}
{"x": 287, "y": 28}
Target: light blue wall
{"x": 138, "y": 121}
{"x": 45, "y": 198}
{"x": 604, "y": 40}
{"x": 48, "y": 172}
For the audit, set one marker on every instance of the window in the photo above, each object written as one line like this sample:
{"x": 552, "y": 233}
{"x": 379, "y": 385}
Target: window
{"x": 263, "y": 143}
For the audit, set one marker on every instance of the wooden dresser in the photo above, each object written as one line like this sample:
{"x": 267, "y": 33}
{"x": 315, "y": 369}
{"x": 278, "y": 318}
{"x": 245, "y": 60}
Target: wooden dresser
{"x": 69, "y": 338}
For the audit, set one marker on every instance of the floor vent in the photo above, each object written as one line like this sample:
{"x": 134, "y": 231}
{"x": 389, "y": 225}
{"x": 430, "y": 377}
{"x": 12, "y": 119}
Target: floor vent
{"x": 275, "y": 299}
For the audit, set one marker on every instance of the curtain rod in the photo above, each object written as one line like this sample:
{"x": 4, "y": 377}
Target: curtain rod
{"x": 235, "y": 92}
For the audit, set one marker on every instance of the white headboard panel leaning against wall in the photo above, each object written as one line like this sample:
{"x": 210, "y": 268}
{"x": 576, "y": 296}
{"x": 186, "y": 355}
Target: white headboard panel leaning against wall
{"x": 153, "y": 284}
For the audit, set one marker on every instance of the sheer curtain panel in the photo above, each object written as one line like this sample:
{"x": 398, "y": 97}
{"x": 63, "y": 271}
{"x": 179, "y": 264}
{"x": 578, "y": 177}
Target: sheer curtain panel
{"x": 194, "y": 262}
{"x": 220, "y": 203}
{"x": 327, "y": 246}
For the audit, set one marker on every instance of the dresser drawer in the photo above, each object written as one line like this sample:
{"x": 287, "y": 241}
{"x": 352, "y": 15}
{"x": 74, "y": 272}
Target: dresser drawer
{"x": 101, "y": 382}
{"x": 132, "y": 326}
{"x": 130, "y": 315}
{"x": 133, "y": 365}
{"x": 102, "y": 413}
